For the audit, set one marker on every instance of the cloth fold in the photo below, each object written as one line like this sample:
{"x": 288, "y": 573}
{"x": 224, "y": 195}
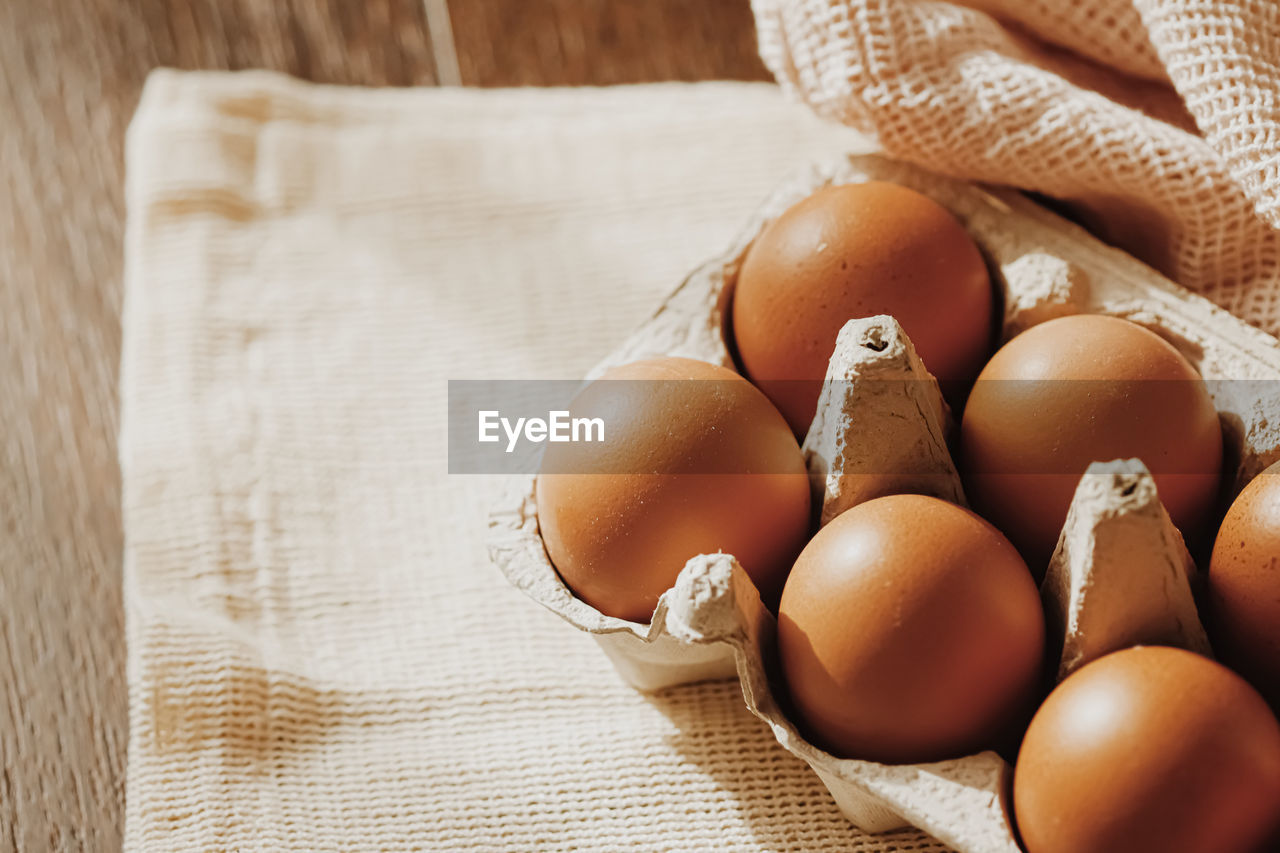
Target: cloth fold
{"x": 1157, "y": 119}
{"x": 320, "y": 655}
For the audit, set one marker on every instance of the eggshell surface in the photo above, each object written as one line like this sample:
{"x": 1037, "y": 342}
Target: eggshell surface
{"x": 855, "y": 251}
{"x": 1081, "y": 389}
{"x": 910, "y": 630}
{"x": 696, "y": 460}
{"x": 1150, "y": 750}
{"x": 1244, "y": 585}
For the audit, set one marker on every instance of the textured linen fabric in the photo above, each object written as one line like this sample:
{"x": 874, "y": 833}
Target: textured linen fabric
{"x": 1159, "y": 119}
{"x": 321, "y": 656}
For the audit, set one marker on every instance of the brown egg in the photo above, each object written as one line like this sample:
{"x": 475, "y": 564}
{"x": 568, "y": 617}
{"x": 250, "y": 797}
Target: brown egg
{"x": 696, "y": 460}
{"x": 1082, "y": 389}
{"x": 1149, "y": 750}
{"x": 856, "y": 251}
{"x": 1244, "y": 584}
{"x": 910, "y": 630}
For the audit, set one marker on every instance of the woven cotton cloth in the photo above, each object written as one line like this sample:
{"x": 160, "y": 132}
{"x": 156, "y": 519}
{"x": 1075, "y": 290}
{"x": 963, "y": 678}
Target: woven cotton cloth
{"x": 321, "y": 656}
{"x": 1158, "y": 119}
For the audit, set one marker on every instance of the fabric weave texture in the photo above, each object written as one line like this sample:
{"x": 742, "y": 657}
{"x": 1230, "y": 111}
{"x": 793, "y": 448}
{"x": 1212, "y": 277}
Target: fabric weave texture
{"x": 1157, "y": 120}
{"x": 321, "y": 656}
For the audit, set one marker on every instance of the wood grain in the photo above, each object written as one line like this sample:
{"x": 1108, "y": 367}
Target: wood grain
{"x": 70, "y": 75}
{"x": 580, "y": 42}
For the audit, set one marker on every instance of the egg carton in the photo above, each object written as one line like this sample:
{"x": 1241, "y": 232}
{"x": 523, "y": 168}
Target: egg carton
{"x": 963, "y": 802}
{"x": 1099, "y": 594}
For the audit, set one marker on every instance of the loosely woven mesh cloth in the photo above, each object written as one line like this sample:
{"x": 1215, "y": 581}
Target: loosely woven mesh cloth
{"x": 1158, "y": 119}
{"x": 321, "y": 656}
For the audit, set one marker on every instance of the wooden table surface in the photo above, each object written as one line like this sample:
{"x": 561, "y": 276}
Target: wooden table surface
{"x": 70, "y": 76}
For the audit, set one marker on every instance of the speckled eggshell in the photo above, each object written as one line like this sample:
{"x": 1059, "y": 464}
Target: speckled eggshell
{"x": 1082, "y": 389}
{"x": 1150, "y": 750}
{"x": 687, "y": 468}
{"x": 1244, "y": 585}
{"x": 910, "y": 630}
{"x": 855, "y": 251}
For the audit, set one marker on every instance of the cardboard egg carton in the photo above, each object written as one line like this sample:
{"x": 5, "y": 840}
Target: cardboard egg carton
{"x": 881, "y": 426}
{"x": 868, "y": 440}
{"x": 647, "y": 657}
{"x": 1121, "y": 575}
{"x": 1109, "y": 598}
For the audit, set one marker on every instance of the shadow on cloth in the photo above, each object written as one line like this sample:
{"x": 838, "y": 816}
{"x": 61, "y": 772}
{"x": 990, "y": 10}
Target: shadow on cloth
{"x": 715, "y": 731}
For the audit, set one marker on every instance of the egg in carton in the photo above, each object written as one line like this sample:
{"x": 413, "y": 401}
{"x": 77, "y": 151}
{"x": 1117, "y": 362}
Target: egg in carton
{"x": 1104, "y": 601}
{"x": 882, "y": 429}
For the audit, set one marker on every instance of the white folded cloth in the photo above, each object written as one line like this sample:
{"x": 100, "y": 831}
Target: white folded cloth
{"x": 321, "y": 656}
